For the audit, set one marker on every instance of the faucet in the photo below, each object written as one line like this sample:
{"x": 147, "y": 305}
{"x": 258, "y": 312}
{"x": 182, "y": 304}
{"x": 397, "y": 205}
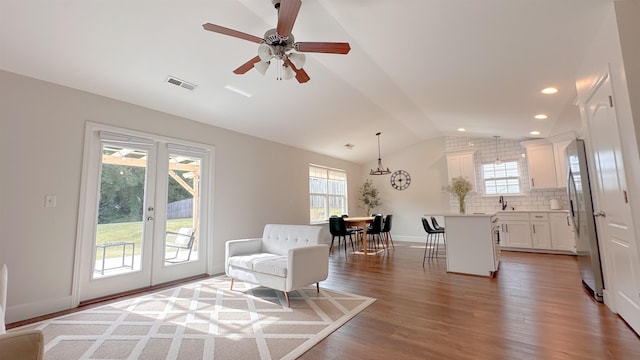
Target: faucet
{"x": 504, "y": 203}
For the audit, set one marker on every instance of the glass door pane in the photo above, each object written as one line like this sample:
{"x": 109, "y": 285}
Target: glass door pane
{"x": 183, "y": 205}
{"x": 120, "y": 223}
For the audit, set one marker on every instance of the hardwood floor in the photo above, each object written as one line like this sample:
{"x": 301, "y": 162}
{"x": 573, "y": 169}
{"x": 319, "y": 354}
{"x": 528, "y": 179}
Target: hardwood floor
{"x": 535, "y": 308}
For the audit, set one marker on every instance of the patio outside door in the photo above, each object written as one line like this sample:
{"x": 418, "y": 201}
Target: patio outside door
{"x": 141, "y": 220}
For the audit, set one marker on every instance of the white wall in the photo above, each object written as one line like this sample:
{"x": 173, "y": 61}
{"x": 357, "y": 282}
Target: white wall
{"x": 41, "y": 140}
{"x": 426, "y": 164}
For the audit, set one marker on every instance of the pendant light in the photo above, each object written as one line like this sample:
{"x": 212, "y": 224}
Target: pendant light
{"x": 498, "y": 162}
{"x": 380, "y": 170}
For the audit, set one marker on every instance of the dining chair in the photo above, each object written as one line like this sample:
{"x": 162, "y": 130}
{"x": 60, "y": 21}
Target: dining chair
{"x": 356, "y": 229}
{"x": 338, "y": 228}
{"x": 375, "y": 228}
{"x": 386, "y": 228}
{"x": 432, "y": 239}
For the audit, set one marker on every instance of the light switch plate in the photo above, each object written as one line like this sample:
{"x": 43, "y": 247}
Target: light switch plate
{"x": 50, "y": 201}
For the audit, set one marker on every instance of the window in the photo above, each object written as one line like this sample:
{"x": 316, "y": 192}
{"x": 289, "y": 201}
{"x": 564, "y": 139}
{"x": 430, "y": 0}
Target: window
{"x": 502, "y": 178}
{"x": 327, "y": 193}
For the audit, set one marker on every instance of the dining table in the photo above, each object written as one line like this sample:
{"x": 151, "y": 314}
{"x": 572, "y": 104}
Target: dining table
{"x": 361, "y": 221}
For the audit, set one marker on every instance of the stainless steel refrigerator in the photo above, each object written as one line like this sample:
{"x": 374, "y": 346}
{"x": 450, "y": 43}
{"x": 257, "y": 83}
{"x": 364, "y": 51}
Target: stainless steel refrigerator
{"x": 581, "y": 211}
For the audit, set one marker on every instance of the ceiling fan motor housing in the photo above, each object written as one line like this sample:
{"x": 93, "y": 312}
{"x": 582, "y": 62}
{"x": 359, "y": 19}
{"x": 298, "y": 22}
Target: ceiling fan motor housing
{"x": 272, "y": 38}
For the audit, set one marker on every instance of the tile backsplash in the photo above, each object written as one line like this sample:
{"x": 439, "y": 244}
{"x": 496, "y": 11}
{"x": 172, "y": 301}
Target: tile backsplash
{"x": 508, "y": 150}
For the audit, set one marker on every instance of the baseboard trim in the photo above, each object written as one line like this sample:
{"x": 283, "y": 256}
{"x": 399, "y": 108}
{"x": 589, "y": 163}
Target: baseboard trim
{"x": 38, "y": 308}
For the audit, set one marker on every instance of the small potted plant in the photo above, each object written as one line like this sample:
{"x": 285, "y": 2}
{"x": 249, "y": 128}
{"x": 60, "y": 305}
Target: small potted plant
{"x": 459, "y": 187}
{"x": 369, "y": 196}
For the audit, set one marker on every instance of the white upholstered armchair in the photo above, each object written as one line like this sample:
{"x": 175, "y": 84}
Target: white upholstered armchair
{"x": 286, "y": 258}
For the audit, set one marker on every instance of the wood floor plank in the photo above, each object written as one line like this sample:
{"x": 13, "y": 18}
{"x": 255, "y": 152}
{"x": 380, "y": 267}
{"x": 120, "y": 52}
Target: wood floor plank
{"x": 535, "y": 308}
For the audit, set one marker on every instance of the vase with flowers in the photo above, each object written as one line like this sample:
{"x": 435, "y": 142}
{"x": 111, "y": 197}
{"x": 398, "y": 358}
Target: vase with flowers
{"x": 459, "y": 187}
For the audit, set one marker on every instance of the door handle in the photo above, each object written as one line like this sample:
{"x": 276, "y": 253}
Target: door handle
{"x": 599, "y": 214}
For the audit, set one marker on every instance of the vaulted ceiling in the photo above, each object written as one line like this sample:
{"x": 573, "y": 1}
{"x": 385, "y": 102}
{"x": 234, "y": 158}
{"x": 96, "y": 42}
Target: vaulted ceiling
{"x": 417, "y": 69}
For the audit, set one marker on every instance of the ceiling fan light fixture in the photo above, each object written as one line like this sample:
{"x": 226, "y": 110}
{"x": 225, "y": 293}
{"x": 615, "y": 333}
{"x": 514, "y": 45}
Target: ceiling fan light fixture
{"x": 265, "y": 52}
{"x": 287, "y": 72}
{"x": 262, "y": 67}
{"x": 380, "y": 170}
{"x": 298, "y": 59}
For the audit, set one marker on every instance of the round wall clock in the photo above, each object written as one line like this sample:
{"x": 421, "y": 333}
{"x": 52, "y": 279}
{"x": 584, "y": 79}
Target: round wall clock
{"x": 400, "y": 180}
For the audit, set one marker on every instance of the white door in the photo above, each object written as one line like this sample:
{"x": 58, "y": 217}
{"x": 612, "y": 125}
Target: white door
{"x": 614, "y": 224}
{"x": 131, "y": 235}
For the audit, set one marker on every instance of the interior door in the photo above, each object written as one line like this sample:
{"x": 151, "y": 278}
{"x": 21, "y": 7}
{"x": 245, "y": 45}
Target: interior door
{"x": 614, "y": 221}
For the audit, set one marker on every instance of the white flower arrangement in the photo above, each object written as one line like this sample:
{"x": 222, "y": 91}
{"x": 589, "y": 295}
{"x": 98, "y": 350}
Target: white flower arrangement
{"x": 459, "y": 187}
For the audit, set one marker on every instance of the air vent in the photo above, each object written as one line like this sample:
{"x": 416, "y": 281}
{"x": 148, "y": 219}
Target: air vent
{"x": 183, "y": 84}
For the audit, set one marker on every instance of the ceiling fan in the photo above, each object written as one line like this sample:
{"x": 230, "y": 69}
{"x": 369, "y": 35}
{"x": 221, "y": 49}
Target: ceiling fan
{"x": 279, "y": 44}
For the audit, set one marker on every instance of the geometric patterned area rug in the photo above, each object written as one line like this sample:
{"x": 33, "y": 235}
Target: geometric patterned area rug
{"x": 202, "y": 320}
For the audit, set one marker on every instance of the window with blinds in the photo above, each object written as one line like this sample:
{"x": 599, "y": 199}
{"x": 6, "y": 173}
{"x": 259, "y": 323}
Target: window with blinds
{"x": 327, "y": 193}
{"x": 503, "y": 178}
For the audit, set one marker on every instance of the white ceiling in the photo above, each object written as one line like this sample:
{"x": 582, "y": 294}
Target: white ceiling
{"x": 418, "y": 69}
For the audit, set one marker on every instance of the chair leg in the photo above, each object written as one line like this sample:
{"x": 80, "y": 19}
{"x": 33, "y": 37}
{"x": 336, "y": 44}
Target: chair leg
{"x": 426, "y": 247}
{"x": 232, "y": 281}
{"x": 286, "y": 296}
{"x": 331, "y": 247}
{"x": 318, "y": 287}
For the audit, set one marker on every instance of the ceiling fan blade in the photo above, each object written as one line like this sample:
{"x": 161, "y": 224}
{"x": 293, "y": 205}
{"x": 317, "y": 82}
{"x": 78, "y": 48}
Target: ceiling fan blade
{"x": 247, "y": 66}
{"x": 230, "y": 32}
{"x": 323, "y": 47}
{"x": 287, "y": 15}
{"x": 301, "y": 75}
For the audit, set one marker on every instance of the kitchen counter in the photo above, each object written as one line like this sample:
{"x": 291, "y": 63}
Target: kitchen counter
{"x": 472, "y": 247}
{"x": 529, "y": 211}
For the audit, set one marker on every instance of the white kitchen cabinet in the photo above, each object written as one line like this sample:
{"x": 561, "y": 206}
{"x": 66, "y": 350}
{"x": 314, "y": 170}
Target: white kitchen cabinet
{"x": 559, "y": 153}
{"x": 542, "y": 166}
{"x": 540, "y": 233}
{"x": 547, "y": 162}
{"x": 562, "y": 235}
{"x": 462, "y": 164}
{"x": 514, "y": 230}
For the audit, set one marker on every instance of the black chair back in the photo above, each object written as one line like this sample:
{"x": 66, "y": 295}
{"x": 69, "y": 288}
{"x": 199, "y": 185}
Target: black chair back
{"x": 387, "y": 223}
{"x": 426, "y": 226}
{"x": 337, "y": 226}
{"x": 376, "y": 225}
{"x": 435, "y": 224}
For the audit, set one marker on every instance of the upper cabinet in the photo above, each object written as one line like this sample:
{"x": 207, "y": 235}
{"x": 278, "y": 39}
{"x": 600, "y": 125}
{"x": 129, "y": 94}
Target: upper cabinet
{"x": 547, "y": 163}
{"x": 560, "y": 156}
{"x": 462, "y": 163}
{"x": 542, "y": 166}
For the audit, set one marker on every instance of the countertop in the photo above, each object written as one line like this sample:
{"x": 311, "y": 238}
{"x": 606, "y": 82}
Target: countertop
{"x": 470, "y": 214}
{"x": 528, "y": 211}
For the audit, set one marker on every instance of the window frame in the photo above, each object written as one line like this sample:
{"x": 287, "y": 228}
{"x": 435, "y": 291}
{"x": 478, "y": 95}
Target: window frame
{"x": 504, "y": 163}
{"x": 326, "y": 194}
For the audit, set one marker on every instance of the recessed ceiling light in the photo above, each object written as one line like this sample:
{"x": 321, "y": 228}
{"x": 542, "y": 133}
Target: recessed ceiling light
{"x": 238, "y": 91}
{"x": 541, "y": 116}
{"x": 349, "y": 146}
{"x": 549, "y": 90}
{"x": 462, "y": 129}
{"x": 535, "y": 132}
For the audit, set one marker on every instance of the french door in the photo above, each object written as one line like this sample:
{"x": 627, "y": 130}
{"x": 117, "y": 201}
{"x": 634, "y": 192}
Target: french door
{"x": 143, "y": 217}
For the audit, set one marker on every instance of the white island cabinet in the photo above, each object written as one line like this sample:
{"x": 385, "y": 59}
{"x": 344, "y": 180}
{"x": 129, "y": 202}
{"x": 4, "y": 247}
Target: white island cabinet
{"x": 472, "y": 244}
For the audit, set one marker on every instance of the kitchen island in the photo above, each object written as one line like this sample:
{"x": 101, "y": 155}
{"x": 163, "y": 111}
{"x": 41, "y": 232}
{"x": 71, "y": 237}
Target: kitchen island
{"x": 472, "y": 243}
